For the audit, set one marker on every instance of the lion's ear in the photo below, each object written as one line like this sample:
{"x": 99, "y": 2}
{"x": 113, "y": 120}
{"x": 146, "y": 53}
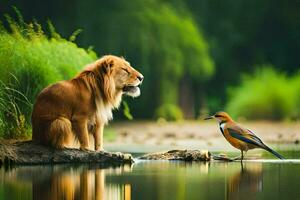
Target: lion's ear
{"x": 107, "y": 65}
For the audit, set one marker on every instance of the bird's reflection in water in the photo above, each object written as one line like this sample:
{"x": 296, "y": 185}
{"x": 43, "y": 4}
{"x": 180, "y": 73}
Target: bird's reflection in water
{"x": 81, "y": 183}
{"x": 246, "y": 182}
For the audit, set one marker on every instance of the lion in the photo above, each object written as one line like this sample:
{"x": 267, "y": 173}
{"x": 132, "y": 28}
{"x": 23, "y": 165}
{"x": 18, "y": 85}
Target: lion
{"x": 83, "y": 105}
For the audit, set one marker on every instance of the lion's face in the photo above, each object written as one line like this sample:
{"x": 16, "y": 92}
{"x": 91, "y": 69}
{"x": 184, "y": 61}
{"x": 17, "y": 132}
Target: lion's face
{"x": 125, "y": 77}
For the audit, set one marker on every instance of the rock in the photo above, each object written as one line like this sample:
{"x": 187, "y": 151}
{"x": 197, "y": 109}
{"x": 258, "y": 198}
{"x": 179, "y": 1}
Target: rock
{"x": 29, "y": 152}
{"x": 184, "y": 155}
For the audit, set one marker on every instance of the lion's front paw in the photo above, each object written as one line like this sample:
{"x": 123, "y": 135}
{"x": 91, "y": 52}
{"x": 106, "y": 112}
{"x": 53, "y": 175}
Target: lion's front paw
{"x": 99, "y": 149}
{"x": 84, "y": 149}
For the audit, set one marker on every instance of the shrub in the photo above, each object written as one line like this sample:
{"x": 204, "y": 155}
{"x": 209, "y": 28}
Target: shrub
{"x": 265, "y": 95}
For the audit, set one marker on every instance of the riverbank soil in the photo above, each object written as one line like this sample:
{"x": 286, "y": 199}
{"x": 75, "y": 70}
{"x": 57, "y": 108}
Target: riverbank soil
{"x": 147, "y": 136}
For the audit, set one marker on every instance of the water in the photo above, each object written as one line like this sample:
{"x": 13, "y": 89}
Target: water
{"x": 255, "y": 179}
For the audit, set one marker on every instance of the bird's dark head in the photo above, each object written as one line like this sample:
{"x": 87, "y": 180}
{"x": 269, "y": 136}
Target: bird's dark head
{"x": 220, "y": 116}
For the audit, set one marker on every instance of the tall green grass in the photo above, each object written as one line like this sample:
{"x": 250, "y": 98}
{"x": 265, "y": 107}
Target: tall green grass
{"x": 267, "y": 94}
{"x": 13, "y": 104}
{"x": 30, "y": 60}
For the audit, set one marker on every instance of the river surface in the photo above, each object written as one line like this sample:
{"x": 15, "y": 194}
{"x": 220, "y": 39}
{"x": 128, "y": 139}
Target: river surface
{"x": 259, "y": 178}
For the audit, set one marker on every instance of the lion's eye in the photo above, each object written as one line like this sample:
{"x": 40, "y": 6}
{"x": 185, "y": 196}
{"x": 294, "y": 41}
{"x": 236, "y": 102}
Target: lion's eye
{"x": 126, "y": 70}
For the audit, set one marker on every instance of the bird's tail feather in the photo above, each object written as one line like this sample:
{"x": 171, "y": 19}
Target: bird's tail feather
{"x": 273, "y": 152}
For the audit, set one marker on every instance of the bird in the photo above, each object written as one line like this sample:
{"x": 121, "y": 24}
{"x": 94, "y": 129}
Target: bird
{"x": 238, "y": 136}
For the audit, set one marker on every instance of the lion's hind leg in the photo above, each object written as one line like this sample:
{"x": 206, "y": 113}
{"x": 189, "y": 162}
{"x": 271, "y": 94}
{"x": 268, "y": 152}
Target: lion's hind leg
{"x": 60, "y": 133}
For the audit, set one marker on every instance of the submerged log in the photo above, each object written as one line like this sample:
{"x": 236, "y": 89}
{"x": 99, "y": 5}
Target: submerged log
{"x": 29, "y": 153}
{"x": 183, "y": 155}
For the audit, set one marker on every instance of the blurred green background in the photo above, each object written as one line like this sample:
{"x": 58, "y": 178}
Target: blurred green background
{"x": 197, "y": 57}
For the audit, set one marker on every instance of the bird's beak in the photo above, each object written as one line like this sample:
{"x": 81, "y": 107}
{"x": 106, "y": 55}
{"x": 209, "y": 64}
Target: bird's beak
{"x": 210, "y": 117}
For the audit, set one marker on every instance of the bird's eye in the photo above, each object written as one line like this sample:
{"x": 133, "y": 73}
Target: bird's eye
{"x": 218, "y": 116}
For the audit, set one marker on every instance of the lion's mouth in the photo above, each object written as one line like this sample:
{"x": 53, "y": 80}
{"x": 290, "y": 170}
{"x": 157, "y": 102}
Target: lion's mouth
{"x": 131, "y": 90}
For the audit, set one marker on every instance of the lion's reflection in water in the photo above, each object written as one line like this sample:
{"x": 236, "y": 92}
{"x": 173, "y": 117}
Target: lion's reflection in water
{"x": 81, "y": 183}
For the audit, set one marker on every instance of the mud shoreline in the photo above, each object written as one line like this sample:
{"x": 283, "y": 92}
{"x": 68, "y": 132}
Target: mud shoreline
{"x": 149, "y": 136}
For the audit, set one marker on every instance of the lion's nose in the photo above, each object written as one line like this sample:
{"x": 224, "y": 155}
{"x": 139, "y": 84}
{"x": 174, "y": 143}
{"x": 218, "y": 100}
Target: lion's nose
{"x": 141, "y": 77}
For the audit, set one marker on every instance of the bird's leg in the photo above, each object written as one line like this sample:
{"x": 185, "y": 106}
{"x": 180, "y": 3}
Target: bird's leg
{"x": 242, "y": 167}
{"x": 240, "y": 157}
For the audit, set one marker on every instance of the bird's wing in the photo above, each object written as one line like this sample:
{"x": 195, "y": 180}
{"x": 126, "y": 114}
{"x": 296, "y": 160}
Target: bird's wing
{"x": 244, "y": 135}
{"x": 249, "y": 137}
{"x": 253, "y": 136}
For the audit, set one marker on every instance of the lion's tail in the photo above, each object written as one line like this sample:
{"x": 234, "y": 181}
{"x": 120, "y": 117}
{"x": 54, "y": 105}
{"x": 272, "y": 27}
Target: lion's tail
{"x": 60, "y": 132}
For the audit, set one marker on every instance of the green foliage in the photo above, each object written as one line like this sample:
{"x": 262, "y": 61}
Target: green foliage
{"x": 169, "y": 112}
{"x": 35, "y": 60}
{"x": 126, "y": 111}
{"x": 267, "y": 94}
